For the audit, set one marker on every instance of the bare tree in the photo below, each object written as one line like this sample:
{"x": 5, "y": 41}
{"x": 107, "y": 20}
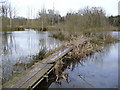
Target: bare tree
{"x": 10, "y": 15}
{"x": 86, "y": 19}
{"x": 42, "y": 15}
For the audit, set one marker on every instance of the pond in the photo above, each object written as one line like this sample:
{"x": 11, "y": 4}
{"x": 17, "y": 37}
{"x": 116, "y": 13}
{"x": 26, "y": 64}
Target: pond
{"x": 99, "y": 70}
{"x": 20, "y": 46}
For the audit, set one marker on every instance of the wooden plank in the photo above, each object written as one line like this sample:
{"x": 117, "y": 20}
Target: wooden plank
{"x": 38, "y": 76}
{"x": 30, "y": 74}
{"x": 42, "y": 67}
{"x": 59, "y": 54}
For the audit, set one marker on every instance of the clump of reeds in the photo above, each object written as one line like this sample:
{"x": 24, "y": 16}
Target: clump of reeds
{"x": 20, "y": 63}
{"x": 28, "y": 65}
{"x": 97, "y": 43}
{"x": 107, "y": 38}
{"x": 40, "y": 55}
{"x": 82, "y": 50}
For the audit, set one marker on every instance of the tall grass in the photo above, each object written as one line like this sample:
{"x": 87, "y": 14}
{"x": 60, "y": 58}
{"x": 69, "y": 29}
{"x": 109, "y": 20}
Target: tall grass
{"x": 41, "y": 55}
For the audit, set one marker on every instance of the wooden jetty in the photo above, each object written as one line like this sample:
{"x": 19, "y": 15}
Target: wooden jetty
{"x": 40, "y": 70}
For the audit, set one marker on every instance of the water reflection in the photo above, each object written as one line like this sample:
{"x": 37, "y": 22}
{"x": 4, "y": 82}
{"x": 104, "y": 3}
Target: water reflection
{"x": 99, "y": 70}
{"x": 20, "y": 45}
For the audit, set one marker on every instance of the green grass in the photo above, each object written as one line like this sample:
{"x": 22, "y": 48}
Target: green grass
{"x": 41, "y": 55}
{"x": 28, "y": 65}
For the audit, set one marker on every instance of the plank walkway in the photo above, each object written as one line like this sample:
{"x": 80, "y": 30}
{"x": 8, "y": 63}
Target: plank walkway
{"x": 41, "y": 69}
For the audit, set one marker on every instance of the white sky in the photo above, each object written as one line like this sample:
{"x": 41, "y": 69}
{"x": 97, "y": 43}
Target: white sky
{"x": 63, "y": 6}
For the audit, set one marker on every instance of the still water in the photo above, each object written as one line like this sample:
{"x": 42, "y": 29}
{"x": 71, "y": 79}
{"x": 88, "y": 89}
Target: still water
{"x": 99, "y": 70}
{"x": 19, "y": 46}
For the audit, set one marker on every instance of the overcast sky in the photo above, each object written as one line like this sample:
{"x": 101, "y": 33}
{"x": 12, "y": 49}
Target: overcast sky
{"x": 63, "y": 6}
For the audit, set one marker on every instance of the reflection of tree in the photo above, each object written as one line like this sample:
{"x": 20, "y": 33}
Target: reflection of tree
{"x": 29, "y": 42}
{"x": 71, "y": 63}
{"x": 9, "y": 43}
{"x": 4, "y": 42}
{"x": 42, "y": 44}
{"x": 6, "y": 69}
{"x": 97, "y": 57}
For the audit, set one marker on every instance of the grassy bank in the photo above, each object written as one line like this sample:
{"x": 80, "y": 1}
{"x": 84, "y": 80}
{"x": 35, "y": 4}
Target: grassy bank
{"x": 61, "y": 27}
{"x": 13, "y": 28}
